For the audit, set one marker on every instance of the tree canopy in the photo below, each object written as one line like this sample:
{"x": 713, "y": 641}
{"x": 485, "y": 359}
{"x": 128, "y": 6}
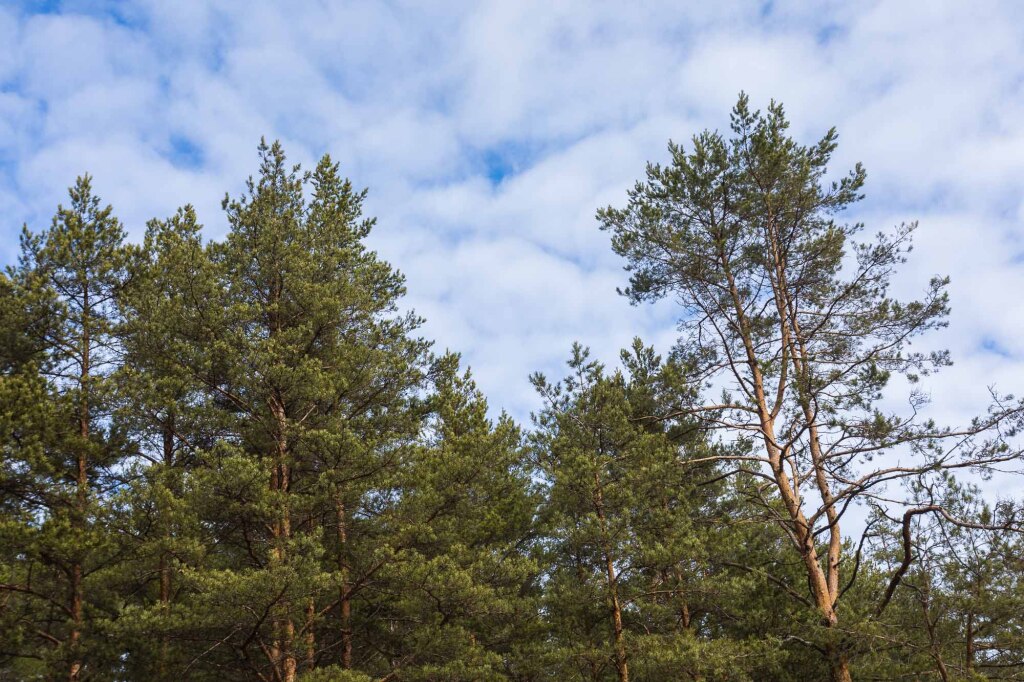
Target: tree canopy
{"x": 240, "y": 459}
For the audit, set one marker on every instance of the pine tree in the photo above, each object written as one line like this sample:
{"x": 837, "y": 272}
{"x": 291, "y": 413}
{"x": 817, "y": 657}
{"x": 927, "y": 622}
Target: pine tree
{"x": 459, "y": 601}
{"x": 632, "y": 503}
{"x": 29, "y": 434}
{"x": 80, "y": 266}
{"x": 313, "y": 377}
{"x": 741, "y": 232}
{"x": 165, "y": 328}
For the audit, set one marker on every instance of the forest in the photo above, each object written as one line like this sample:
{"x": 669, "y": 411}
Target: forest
{"x": 239, "y": 459}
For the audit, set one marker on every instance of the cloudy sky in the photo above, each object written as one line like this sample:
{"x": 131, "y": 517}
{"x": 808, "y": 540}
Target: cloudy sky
{"x": 488, "y": 134}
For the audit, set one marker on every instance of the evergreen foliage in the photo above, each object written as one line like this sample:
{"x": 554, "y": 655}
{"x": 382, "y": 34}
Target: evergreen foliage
{"x": 238, "y": 460}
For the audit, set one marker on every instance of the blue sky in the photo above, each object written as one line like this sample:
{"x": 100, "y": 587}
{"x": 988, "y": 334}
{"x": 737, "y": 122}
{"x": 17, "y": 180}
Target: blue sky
{"x": 488, "y": 134}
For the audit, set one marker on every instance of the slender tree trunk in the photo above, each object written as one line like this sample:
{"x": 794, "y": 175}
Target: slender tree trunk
{"x": 684, "y": 606}
{"x": 924, "y": 595}
{"x": 344, "y": 591}
{"x": 76, "y": 621}
{"x": 164, "y": 564}
{"x": 165, "y": 603}
{"x": 802, "y": 378}
{"x": 285, "y": 626}
{"x": 289, "y": 664}
{"x": 677, "y": 574}
{"x": 165, "y": 582}
{"x": 969, "y": 636}
{"x": 310, "y": 634}
{"x": 310, "y": 625}
{"x": 940, "y": 664}
{"x": 621, "y": 665}
{"x": 81, "y": 493}
{"x": 821, "y": 582}
{"x": 802, "y": 375}
{"x": 824, "y": 584}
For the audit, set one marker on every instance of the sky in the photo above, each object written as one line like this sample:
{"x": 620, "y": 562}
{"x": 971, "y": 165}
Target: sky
{"x": 489, "y": 133}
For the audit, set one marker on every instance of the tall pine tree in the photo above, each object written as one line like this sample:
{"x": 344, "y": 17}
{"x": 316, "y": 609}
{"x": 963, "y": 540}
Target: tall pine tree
{"x": 80, "y": 266}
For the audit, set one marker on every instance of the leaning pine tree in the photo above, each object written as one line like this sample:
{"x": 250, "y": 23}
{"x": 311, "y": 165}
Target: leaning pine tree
{"x": 794, "y": 318}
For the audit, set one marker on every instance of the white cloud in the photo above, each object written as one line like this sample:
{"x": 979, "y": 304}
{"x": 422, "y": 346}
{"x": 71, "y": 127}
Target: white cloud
{"x": 568, "y": 100}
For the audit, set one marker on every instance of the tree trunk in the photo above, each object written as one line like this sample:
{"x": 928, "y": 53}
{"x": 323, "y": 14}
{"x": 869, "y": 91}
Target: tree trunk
{"x": 76, "y": 621}
{"x": 310, "y": 625}
{"x": 933, "y": 640}
{"x": 825, "y": 583}
{"x": 621, "y": 665}
{"x": 310, "y": 634}
{"x": 290, "y": 664}
{"x": 280, "y": 478}
{"x": 164, "y": 565}
{"x": 81, "y": 493}
{"x": 969, "y": 636}
{"x": 165, "y": 604}
{"x": 841, "y": 669}
{"x": 165, "y": 582}
{"x": 684, "y": 606}
{"x": 344, "y": 596}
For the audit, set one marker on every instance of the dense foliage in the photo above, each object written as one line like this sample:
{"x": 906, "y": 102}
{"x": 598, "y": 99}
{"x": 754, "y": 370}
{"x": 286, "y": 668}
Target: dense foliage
{"x": 238, "y": 460}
